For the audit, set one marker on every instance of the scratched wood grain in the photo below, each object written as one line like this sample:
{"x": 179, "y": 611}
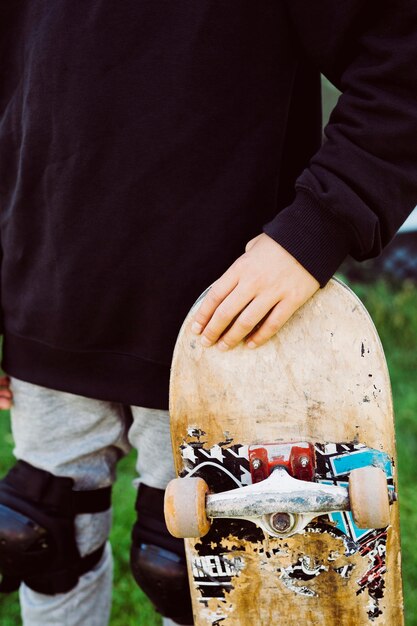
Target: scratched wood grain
{"x": 322, "y": 378}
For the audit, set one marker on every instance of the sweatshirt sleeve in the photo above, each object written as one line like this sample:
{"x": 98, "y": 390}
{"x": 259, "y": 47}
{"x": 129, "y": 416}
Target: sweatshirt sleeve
{"x": 362, "y": 183}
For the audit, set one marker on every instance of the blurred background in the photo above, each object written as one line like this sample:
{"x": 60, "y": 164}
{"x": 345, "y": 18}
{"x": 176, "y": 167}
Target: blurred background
{"x": 387, "y": 286}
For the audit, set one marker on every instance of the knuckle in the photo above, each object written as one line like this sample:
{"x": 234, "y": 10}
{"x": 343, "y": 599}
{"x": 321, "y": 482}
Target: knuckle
{"x": 273, "y": 327}
{"x": 239, "y": 263}
{"x": 200, "y": 316}
{"x": 206, "y": 309}
{"x": 215, "y": 294}
{"x": 223, "y": 314}
{"x": 246, "y": 323}
{"x": 268, "y": 328}
{"x": 257, "y": 339}
{"x": 210, "y": 334}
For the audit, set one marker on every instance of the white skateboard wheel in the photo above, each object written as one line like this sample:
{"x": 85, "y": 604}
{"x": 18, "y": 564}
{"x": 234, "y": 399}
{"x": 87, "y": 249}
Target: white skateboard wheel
{"x": 185, "y": 508}
{"x": 369, "y": 499}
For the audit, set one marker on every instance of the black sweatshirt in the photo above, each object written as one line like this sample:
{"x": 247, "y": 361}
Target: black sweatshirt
{"x": 144, "y": 142}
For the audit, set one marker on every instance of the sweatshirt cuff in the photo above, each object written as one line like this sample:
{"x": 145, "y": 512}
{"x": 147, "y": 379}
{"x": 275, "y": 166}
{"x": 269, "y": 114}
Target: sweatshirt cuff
{"x": 312, "y": 234}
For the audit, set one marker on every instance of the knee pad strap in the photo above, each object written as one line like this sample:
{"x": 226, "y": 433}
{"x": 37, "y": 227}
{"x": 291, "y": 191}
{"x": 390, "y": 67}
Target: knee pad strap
{"x": 37, "y": 533}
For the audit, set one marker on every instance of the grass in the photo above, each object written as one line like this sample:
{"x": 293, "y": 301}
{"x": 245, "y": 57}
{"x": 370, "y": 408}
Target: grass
{"x": 394, "y": 310}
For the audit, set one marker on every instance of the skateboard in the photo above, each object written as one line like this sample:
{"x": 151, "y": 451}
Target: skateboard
{"x": 286, "y": 463}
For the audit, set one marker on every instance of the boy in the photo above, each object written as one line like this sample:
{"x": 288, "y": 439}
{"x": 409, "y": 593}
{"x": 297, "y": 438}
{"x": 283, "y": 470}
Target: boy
{"x": 142, "y": 146}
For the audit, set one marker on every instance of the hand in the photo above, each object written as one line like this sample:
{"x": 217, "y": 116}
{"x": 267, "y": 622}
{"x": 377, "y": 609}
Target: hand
{"x": 6, "y": 395}
{"x": 254, "y": 297}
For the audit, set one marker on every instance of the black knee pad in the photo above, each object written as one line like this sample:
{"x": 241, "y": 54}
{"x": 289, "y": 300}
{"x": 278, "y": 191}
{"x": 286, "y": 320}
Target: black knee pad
{"x": 158, "y": 560}
{"x": 37, "y": 534}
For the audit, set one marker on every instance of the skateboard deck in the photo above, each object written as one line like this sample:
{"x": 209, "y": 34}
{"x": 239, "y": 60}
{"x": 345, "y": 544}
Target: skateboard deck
{"x": 317, "y": 394}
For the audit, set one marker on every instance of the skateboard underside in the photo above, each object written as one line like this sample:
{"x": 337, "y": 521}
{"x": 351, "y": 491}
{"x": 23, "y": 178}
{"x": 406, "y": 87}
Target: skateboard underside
{"x": 331, "y": 551}
{"x": 322, "y": 379}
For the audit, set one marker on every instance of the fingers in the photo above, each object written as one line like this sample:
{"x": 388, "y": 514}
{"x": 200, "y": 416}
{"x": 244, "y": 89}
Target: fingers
{"x": 5, "y": 404}
{"x": 6, "y": 395}
{"x": 257, "y": 315}
{"x": 215, "y": 297}
{"x": 248, "y": 319}
{"x": 223, "y": 316}
{"x": 274, "y": 321}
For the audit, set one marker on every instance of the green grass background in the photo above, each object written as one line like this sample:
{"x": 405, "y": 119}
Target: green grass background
{"x": 394, "y": 310}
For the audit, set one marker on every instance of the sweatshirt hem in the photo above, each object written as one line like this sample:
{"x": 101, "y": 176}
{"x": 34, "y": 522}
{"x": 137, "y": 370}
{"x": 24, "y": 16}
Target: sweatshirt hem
{"x": 112, "y": 377}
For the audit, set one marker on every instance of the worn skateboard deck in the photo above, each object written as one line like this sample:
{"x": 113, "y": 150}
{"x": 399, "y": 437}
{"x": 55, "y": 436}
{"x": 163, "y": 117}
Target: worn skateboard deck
{"x": 322, "y": 379}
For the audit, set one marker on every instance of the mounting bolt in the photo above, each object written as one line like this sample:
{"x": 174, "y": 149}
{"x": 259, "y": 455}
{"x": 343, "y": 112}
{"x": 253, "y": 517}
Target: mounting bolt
{"x": 256, "y": 464}
{"x": 304, "y": 461}
{"x": 281, "y": 522}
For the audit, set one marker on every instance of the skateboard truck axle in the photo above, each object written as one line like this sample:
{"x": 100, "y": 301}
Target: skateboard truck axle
{"x": 282, "y": 522}
{"x": 280, "y": 504}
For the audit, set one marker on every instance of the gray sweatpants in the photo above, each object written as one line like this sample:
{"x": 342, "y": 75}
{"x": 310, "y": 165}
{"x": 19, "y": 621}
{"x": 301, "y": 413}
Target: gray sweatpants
{"x": 69, "y": 435}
